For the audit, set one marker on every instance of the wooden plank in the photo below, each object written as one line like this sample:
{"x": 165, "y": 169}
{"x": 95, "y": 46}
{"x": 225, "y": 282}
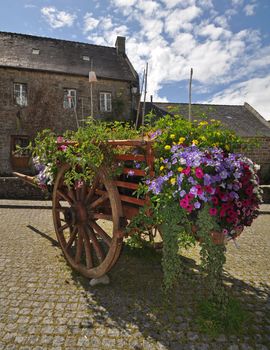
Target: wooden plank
{"x": 132, "y": 200}
{"x": 124, "y": 184}
{"x": 129, "y": 211}
{"x": 133, "y": 143}
{"x": 128, "y": 156}
{"x": 135, "y": 172}
{"x": 124, "y": 198}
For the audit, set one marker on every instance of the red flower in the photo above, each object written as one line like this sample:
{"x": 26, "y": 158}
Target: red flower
{"x": 186, "y": 171}
{"x": 213, "y": 211}
{"x": 215, "y": 200}
{"x": 199, "y": 189}
{"x": 199, "y": 173}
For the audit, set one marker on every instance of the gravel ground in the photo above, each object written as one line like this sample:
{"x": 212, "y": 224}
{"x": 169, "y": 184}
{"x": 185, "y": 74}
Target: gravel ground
{"x": 45, "y": 305}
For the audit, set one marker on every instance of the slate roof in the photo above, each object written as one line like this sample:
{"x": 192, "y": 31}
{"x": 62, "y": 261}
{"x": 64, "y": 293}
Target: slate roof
{"x": 63, "y": 56}
{"x": 244, "y": 120}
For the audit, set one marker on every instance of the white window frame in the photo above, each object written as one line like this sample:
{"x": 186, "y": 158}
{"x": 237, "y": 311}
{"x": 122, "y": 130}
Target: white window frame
{"x": 105, "y": 101}
{"x": 70, "y": 98}
{"x": 20, "y": 94}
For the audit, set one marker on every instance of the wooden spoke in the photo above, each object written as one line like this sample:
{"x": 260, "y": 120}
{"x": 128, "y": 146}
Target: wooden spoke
{"x": 64, "y": 196}
{"x": 96, "y": 245}
{"x": 102, "y": 216}
{"x": 106, "y": 238}
{"x": 60, "y": 209}
{"x": 79, "y": 247}
{"x": 62, "y": 228}
{"x": 83, "y": 192}
{"x": 87, "y": 249}
{"x": 92, "y": 190}
{"x": 72, "y": 237}
{"x": 71, "y": 194}
{"x": 99, "y": 201}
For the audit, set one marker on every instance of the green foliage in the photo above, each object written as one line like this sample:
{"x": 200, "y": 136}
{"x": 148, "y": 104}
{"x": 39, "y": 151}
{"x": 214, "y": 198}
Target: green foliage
{"x": 85, "y": 150}
{"x": 213, "y": 320}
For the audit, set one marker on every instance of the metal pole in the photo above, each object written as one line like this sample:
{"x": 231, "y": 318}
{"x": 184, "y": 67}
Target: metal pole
{"x": 189, "y": 106}
{"x": 145, "y": 92}
{"x": 139, "y": 102}
{"x": 91, "y": 99}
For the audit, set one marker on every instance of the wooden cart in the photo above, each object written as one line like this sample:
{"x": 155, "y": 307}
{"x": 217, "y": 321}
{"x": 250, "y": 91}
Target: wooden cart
{"x": 89, "y": 246}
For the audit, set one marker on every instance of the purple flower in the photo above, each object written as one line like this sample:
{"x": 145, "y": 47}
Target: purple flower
{"x": 197, "y": 205}
{"x": 192, "y": 181}
{"x": 155, "y": 134}
{"x": 207, "y": 180}
{"x": 130, "y": 173}
{"x": 182, "y": 193}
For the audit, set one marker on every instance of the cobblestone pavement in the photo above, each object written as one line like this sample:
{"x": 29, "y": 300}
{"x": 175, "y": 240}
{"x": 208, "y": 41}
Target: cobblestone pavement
{"x": 44, "y": 305}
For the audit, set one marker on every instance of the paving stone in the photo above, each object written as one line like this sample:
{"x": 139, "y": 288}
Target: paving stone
{"x": 44, "y": 305}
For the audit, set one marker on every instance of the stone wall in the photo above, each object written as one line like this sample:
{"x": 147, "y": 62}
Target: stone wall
{"x": 261, "y": 155}
{"x": 14, "y": 188}
{"x": 45, "y": 105}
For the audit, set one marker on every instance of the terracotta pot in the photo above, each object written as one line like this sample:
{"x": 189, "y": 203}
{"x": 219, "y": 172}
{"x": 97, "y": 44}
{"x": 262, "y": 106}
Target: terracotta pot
{"x": 218, "y": 238}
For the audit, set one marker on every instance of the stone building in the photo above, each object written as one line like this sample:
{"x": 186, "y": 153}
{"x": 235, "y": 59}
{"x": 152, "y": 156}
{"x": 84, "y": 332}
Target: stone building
{"x": 45, "y": 83}
{"x": 244, "y": 120}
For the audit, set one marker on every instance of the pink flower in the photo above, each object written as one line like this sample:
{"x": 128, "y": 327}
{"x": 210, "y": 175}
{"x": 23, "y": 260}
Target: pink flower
{"x": 186, "y": 171}
{"x": 199, "y": 189}
{"x": 189, "y": 208}
{"x": 184, "y": 202}
{"x": 60, "y": 139}
{"x": 213, "y": 211}
{"x": 215, "y": 200}
{"x": 63, "y": 147}
{"x": 199, "y": 173}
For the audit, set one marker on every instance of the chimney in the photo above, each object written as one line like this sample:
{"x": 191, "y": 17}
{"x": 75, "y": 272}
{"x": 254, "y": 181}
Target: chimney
{"x": 120, "y": 45}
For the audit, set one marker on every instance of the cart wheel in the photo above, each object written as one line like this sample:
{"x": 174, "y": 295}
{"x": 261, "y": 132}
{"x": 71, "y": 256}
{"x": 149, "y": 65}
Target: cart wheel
{"x": 90, "y": 246}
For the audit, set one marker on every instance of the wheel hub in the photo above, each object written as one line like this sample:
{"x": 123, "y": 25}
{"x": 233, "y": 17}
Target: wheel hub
{"x": 76, "y": 214}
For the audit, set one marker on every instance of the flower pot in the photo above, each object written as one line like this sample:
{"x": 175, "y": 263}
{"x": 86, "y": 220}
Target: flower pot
{"x": 217, "y": 237}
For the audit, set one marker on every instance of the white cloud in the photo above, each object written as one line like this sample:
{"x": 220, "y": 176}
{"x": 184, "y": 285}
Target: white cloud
{"x": 213, "y": 32}
{"x": 181, "y": 18}
{"x": 124, "y": 3}
{"x": 57, "y": 19}
{"x": 237, "y": 2}
{"x": 249, "y": 9}
{"x": 254, "y": 91}
{"x": 174, "y": 35}
{"x": 90, "y": 22}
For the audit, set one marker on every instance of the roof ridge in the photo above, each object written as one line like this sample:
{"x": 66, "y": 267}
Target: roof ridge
{"x": 200, "y": 104}
{"x": 54, "y": 39}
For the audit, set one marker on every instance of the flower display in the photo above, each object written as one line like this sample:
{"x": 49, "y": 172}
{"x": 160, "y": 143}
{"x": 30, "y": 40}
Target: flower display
{"x": 227, "y": 182}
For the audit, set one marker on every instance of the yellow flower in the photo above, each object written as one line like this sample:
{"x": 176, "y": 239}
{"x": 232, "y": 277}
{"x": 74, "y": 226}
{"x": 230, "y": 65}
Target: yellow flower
{"x": 203, "y": 123}
{"x": 180, "y": 169}
{"x": 195, "y": 142}
{"x": 195, "y": 120}
{"x": 172, "y": 136}
{"x": 227, "y": 147}
{"x": 161, "y": 168}
{"x": 173, "y": 180}
{"x": 203, "y": 138}
{"x": 218, "y": 133}
{"x": 167, "y": 147}
{"x": 213, "y": 120}
{"x": 181, "y": 140}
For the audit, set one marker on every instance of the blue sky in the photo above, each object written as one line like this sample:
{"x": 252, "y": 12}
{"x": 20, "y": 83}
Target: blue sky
{"x": 227, "y": 42}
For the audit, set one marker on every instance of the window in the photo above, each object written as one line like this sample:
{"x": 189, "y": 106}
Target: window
{"x": 69, "y": 98}
{"x": 35, "y": 51}
{"x": 20, "y": 94}
{"x": 105, "y": 99}
{"x": 19, "y": 153}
